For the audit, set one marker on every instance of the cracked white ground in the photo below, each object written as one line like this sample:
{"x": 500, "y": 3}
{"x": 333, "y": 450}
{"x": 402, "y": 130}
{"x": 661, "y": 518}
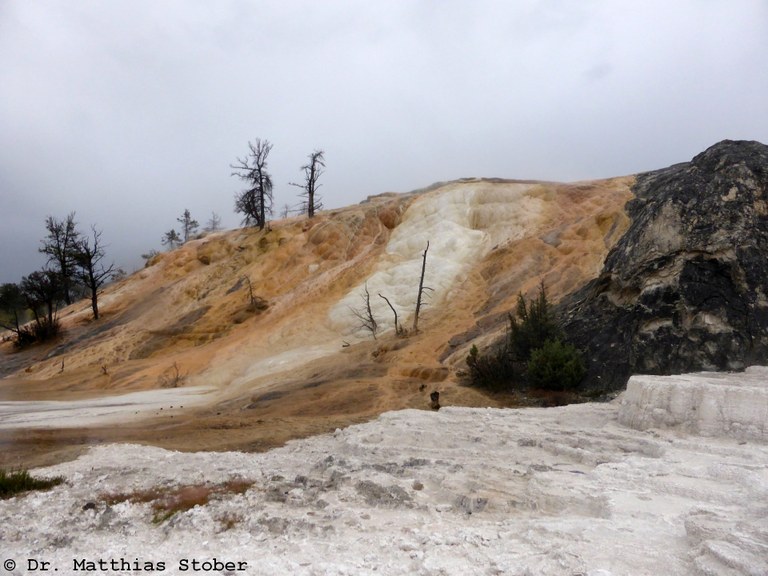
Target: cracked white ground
{"x": 556, "y": 491}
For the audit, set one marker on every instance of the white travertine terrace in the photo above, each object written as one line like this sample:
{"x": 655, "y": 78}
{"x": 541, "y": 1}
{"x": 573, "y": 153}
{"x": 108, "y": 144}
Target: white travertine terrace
{"x": 708, "y": 404}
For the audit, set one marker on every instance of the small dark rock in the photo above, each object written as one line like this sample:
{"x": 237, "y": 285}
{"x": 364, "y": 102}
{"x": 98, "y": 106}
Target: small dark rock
{"x": 385, "y": 496}
{"x": 434, "y": 400}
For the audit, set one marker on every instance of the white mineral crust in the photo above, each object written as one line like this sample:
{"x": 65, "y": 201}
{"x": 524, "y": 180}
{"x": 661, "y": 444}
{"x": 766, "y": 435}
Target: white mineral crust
{"x": 560, "y": 491}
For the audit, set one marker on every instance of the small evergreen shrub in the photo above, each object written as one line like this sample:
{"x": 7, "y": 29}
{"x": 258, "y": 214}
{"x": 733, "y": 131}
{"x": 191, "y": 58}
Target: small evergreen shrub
{"x": 494, "y": 371}
{"x": 41, "y": 330}
{"x": 555, "y": 366}
{"x": 25, "y": 337}
{"x": 532, "y": 352}
{"x": 46, "y": 329}
{"x": 534, "y": 325}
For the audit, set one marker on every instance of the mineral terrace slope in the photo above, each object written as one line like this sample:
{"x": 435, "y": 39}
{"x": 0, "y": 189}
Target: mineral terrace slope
{"x": 302, "y": 365}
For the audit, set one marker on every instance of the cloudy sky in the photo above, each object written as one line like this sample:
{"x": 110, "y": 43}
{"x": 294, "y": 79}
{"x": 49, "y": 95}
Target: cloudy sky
{"x": 129, "y": 111}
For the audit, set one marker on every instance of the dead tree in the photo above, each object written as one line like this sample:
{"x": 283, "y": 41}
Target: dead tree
{"x": 90, "y": 270}
{"x": 312, "y": 172}
{"x": 213, "y": 224}
{"x": 172, "y": 377}
{"x": 365, "y": 315}
{"x": 12, "y": 303}
{"x": 398, "y": 328}
{"x": 42, "y": 291}
{"x": 256, "y": 303}
{"x": 422, "y": 288}
{"x": 60, "y": 246}
{"x": 255, "y": 202}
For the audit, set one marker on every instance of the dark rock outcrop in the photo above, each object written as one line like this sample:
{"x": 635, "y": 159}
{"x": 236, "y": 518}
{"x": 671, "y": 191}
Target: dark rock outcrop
{"x": 686, "y": 287}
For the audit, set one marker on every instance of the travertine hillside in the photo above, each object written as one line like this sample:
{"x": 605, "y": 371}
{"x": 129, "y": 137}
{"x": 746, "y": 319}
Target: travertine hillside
{"x": 293, "y": 360}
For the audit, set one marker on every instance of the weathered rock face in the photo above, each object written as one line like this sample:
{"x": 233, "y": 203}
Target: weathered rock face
{"x": 685, "y": 287}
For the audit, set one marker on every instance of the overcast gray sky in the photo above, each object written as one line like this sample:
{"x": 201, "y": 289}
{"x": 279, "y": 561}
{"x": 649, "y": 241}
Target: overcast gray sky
{"x": 129, "y": 111}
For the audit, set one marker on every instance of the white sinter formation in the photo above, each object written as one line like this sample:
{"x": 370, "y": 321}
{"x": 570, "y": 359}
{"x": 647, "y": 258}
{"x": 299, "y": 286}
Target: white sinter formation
{"x": 544, "y": 492}
{"x": 462, "y": 222}
{"x": 708, "y": 404}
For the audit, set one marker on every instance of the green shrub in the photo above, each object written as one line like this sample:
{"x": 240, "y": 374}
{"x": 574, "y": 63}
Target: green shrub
{"x": 41, "y": 330}
{"x": 529, "y": 329}
{"x": 12, "y": 483}
{"x": 532, "y": 352}
{"x": 534, "y": 325}
{"x": 555, "y": 366}
{"x": 25, "y": 337}
{"x": 46, "y": 329}
{"x": 494, "y": 370}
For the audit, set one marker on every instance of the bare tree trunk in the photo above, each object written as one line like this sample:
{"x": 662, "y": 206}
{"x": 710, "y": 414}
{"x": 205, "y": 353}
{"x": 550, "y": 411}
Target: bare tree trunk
{"x": 398, "y": 330}
{"x": 88, "y": 257}
{"x": 421, "y": 289}
{"x": 312, "y": 173}
{"x": 94, "y": 287}
{"x": 263, "y": 202}
{"x": 369, "y": 313}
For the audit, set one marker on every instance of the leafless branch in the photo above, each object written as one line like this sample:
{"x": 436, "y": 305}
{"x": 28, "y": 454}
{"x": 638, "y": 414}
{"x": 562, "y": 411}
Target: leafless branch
{"x": 398, "y": 328}
{"x": 365, "y": 315}
{"x": 421, "y": 289}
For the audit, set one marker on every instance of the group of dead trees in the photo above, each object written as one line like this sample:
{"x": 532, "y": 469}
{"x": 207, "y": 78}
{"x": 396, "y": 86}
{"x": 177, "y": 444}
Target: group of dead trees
{"x": 256, "y": 200}
{"x": 76, "y": 267}
{"x": 367, "y": 318}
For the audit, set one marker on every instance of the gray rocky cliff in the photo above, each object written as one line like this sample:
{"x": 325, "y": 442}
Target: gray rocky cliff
{"x": 685, "y": 288}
